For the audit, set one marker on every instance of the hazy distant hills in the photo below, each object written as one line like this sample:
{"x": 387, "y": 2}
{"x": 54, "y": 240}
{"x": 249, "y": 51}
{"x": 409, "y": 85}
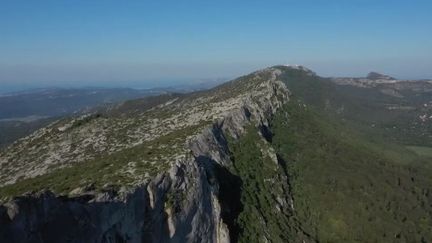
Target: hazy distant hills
{"x": 42, "y": 103}
{"x": 23, "y": 112}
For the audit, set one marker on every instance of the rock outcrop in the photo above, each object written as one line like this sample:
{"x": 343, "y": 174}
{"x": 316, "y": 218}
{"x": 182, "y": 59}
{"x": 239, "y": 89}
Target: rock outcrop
{"x": 379, "y": 76}
{"x": 181, "y": 204}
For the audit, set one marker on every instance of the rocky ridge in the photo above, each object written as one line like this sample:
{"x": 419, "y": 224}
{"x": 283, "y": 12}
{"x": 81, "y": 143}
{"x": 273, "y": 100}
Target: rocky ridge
{"x": 82, "y": 139}
{"x": 179, "y": 203}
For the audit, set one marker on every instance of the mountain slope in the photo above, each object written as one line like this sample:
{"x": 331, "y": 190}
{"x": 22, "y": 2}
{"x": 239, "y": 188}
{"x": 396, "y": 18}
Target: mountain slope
{"x": 348, "y": 189}
{"x": 279, "y": 155}
{"x": 172, "y": 121}
{"x": 22, "y": 113}
{"x": 162, "y": 158}
{"x": 398, "y": 110}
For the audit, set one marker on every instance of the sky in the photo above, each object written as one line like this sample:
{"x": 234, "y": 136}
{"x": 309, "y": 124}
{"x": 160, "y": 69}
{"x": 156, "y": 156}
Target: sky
{"x": 158, "y": 43}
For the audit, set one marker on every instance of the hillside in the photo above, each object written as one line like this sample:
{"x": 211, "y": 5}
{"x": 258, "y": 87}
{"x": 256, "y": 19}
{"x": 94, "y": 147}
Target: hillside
{"x": 22, "y": 113}
{"x": 347, "y": 188}
{"x": 398, "y": 110}
{"x": 279, "y": 155}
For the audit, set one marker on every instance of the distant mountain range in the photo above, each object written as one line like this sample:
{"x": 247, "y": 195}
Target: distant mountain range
{"x": 59, "y": 101}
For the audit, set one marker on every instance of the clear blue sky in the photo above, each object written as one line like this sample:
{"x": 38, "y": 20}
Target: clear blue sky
{"x": 148, "y": 43}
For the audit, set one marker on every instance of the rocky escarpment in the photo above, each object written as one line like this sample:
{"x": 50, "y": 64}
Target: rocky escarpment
{"x": 178, "y": 206}
{"x": 182, "y": 204}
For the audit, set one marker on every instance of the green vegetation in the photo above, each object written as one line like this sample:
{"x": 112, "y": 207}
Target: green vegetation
{"x": 240, "y": 85}
{"x": 99, "y": 171}
{"x": 84, "y": 120}
{"x": 263, "y": 180}
{"x": 343, "y": 172}
{"x": 347, "y": 189}
{"x": 367, "y": 110}
{"x": 351, "y": 177}
{"x": 113, "y": 170}
{"x": 174, "y": 200}
{"x": 421, "y": 150}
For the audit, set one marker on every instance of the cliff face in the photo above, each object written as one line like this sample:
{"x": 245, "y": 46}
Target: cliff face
{"x": 178, "y": 206}
{"x": 192, "y": 201}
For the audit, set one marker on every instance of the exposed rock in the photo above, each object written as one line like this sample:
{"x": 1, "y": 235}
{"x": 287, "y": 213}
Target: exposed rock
{"x": 181, "y": 204}
{"x": 378, "y": 76}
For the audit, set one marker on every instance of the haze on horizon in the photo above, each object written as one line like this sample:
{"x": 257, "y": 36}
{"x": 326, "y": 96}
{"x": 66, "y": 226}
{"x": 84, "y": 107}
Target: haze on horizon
{"x": 159, "y": 43}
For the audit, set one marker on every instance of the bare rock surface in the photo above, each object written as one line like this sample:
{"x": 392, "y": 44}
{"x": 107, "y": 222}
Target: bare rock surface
{"x": 179, "y": 204}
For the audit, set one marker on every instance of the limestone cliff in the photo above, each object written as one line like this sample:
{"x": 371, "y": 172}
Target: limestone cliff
{"x": 180, "y": 202}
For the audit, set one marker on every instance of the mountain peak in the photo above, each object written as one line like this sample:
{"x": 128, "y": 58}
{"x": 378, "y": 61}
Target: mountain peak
{"x": 296, "y": 67}
{"x": 379, "y": 76}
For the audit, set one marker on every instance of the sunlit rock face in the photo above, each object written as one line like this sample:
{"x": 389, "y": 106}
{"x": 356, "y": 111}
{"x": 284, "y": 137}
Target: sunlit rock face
{"x": 169, "y": 193}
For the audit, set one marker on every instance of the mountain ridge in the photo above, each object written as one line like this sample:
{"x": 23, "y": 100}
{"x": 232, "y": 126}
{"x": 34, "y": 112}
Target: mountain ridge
{"x": 177, "y": 108}
{"x": 224, "y": 165}
{"x": 189, "y": 172}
